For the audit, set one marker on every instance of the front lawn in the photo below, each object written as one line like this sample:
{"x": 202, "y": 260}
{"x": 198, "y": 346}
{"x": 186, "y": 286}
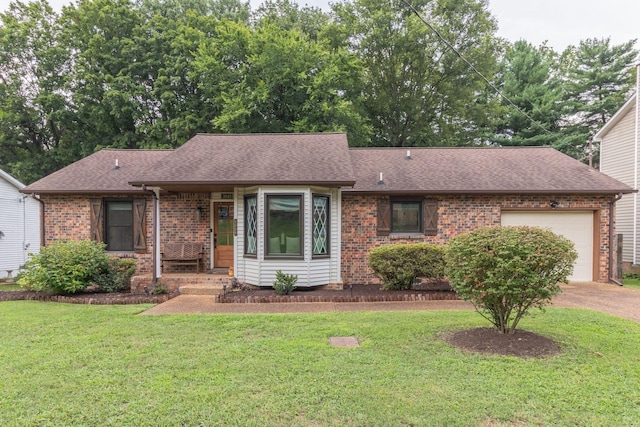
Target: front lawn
{"x": 631, "y": 281}
{"x": 65, "y": 364}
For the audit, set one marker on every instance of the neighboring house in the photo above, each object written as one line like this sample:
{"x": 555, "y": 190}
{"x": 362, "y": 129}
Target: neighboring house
{"x": 309, "y": 205}
{"x": 619, "y": 142}
{"x": 19, "y": 225}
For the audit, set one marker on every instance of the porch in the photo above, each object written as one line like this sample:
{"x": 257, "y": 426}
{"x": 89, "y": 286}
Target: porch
{"x": 210, "y": 282}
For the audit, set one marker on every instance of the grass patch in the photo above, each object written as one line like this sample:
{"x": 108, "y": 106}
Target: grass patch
{"x": 65, "y": 364}
{"x": 6, "y": 287}
{"x": 631, "y": 281}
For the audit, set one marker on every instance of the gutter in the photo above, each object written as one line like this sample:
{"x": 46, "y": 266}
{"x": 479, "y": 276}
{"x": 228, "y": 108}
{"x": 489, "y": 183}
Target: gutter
{"x": 611, "y": 205}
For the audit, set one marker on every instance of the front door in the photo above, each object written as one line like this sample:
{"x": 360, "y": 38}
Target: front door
{"x": 223, "y": 234}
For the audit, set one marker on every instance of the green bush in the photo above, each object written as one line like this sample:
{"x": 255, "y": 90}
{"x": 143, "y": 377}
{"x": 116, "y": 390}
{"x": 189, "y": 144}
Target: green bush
{"x": 399, "y": 266}
{"x": 505, "y": 271}
{"x": 117, "y": 276}
{"x": 284, "y": 283}
{"x": 65, "y": 267}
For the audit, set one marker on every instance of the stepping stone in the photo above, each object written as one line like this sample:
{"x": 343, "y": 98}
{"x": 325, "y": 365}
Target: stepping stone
{"x": 344, "y": 341}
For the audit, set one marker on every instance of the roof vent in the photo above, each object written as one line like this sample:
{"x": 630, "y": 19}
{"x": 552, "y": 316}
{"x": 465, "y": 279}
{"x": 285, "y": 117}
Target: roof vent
{"x": 408, "y": 155}
{"x": 380, "y": 181}
{"x": 117, "y": 166}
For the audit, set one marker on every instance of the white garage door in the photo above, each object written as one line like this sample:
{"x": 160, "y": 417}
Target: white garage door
{"x": 576, "y": 226}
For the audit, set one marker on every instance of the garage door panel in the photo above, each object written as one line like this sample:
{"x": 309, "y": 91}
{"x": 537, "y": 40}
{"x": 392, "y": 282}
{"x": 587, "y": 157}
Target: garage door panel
{"x": 575, "y": 226}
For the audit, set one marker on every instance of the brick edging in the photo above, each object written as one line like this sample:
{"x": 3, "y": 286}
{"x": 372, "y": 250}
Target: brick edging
{"x": 259, "y": 299}
{"x": 76, "y": 299}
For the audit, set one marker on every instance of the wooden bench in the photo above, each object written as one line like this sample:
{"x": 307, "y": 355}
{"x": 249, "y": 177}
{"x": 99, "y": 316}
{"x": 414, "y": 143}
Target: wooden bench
{"x": 182, "y": 254}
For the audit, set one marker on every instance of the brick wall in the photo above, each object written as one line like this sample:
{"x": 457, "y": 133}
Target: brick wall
{"x": 456, "y": 214}
{"x": 180, "y": 222}
{"x": 69, "y": 218}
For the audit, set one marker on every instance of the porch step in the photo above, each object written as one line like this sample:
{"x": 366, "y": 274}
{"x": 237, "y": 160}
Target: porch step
{"x": 200, "y": 290}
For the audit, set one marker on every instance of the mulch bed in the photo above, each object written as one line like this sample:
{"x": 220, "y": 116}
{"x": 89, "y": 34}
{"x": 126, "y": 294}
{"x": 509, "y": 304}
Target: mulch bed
{"x": 350, "y": 293}
{"x": 488, "y": 340}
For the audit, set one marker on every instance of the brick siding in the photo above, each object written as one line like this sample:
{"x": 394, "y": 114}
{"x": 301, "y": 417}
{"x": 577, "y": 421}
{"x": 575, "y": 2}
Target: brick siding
{"x": 68, "y": 217}
{"x": 456, "y": 214}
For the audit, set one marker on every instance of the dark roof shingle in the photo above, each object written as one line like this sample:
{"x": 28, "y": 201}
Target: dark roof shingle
{"x": 515, "y": 170}
{"x": 245, "y": 159}
{"x": 97, "y": 174}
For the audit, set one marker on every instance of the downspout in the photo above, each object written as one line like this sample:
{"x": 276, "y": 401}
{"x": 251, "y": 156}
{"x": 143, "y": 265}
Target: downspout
{"x": 24, "y": 228}
{"x": 635, "y": 167}
{"x": 42, "y": 222}
{"x": 611, "y": 242}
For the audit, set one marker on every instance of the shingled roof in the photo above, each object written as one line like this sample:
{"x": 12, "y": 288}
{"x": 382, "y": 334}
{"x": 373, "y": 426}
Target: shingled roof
{"x": 251, "y": 159}
{"x": 208, "y": 161}
{"x": 97, "y": 173}
{"x": 513, "y": 170}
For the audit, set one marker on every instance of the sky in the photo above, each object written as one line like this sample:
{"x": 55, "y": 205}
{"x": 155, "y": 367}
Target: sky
{"x": 558, "y": 22}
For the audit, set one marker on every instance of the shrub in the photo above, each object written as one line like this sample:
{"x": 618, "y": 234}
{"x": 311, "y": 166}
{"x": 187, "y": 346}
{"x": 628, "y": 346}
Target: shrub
{"x": 399, "y": 266}
{"x": 65, "y": 267}
{"x": 159, "y": 289}
{"x": 505, "y": 271}
{"x": 117, "y": 276}
{"x": 284, "y": 283}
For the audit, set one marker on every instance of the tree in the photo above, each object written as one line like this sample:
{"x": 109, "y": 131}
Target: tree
{"x": 35, "y": 115}
{"x": 505, "y": 271}
{"x": 416, "y": 91}
{"x": 599, "y": 79}
{"x": 289, "y": 15}
{"x": 274, "y": 80}
{"x": 530, "y": 81}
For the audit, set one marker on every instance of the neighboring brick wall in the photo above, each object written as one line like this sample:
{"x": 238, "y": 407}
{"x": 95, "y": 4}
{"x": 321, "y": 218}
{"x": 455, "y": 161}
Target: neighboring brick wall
{"x": 456, "y": 214}
{"x": 69, "y": 218}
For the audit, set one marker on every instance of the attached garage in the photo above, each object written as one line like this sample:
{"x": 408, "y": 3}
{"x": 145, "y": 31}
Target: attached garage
{"x": 578, "y": 226}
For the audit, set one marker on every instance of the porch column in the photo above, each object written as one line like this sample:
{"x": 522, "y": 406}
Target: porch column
{"x": 157, "y": 270}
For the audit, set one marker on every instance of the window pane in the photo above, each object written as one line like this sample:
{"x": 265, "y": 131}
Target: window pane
{"x": 251, "y": 225}
{"x": 320, "y": 225}
{"x": 119, "y": 226}
{"x": 283, "y": 235}
{"x": 405, "y": 217}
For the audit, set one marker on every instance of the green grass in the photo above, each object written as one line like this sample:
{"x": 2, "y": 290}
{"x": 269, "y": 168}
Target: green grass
{"x": 65, "y": 364}
{"x": 5, "y": 287}
{"x": 631, "y": 282}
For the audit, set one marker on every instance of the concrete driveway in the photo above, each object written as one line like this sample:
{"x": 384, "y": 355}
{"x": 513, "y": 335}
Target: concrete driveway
{"x": 612, "y": 299}
{"x": 608, "y": 298}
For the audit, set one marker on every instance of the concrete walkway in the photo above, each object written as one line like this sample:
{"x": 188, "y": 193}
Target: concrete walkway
{"x": 608, "y": 298}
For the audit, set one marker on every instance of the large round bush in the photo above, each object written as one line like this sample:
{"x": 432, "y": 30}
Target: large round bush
{"x": 505, "y": 271}
{"x": 65, "y": 267}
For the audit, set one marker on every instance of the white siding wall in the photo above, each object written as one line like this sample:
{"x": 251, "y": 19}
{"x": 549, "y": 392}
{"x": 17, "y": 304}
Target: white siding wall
{"x": 617, "y": 160}
{"x": 20, "y": 223}
{"x": 311, "y": 272}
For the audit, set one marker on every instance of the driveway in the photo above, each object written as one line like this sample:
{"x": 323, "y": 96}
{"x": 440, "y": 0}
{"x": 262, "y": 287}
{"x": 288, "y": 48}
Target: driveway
{"x": 608, "y": 298}
{"x": 612, "y": 299}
